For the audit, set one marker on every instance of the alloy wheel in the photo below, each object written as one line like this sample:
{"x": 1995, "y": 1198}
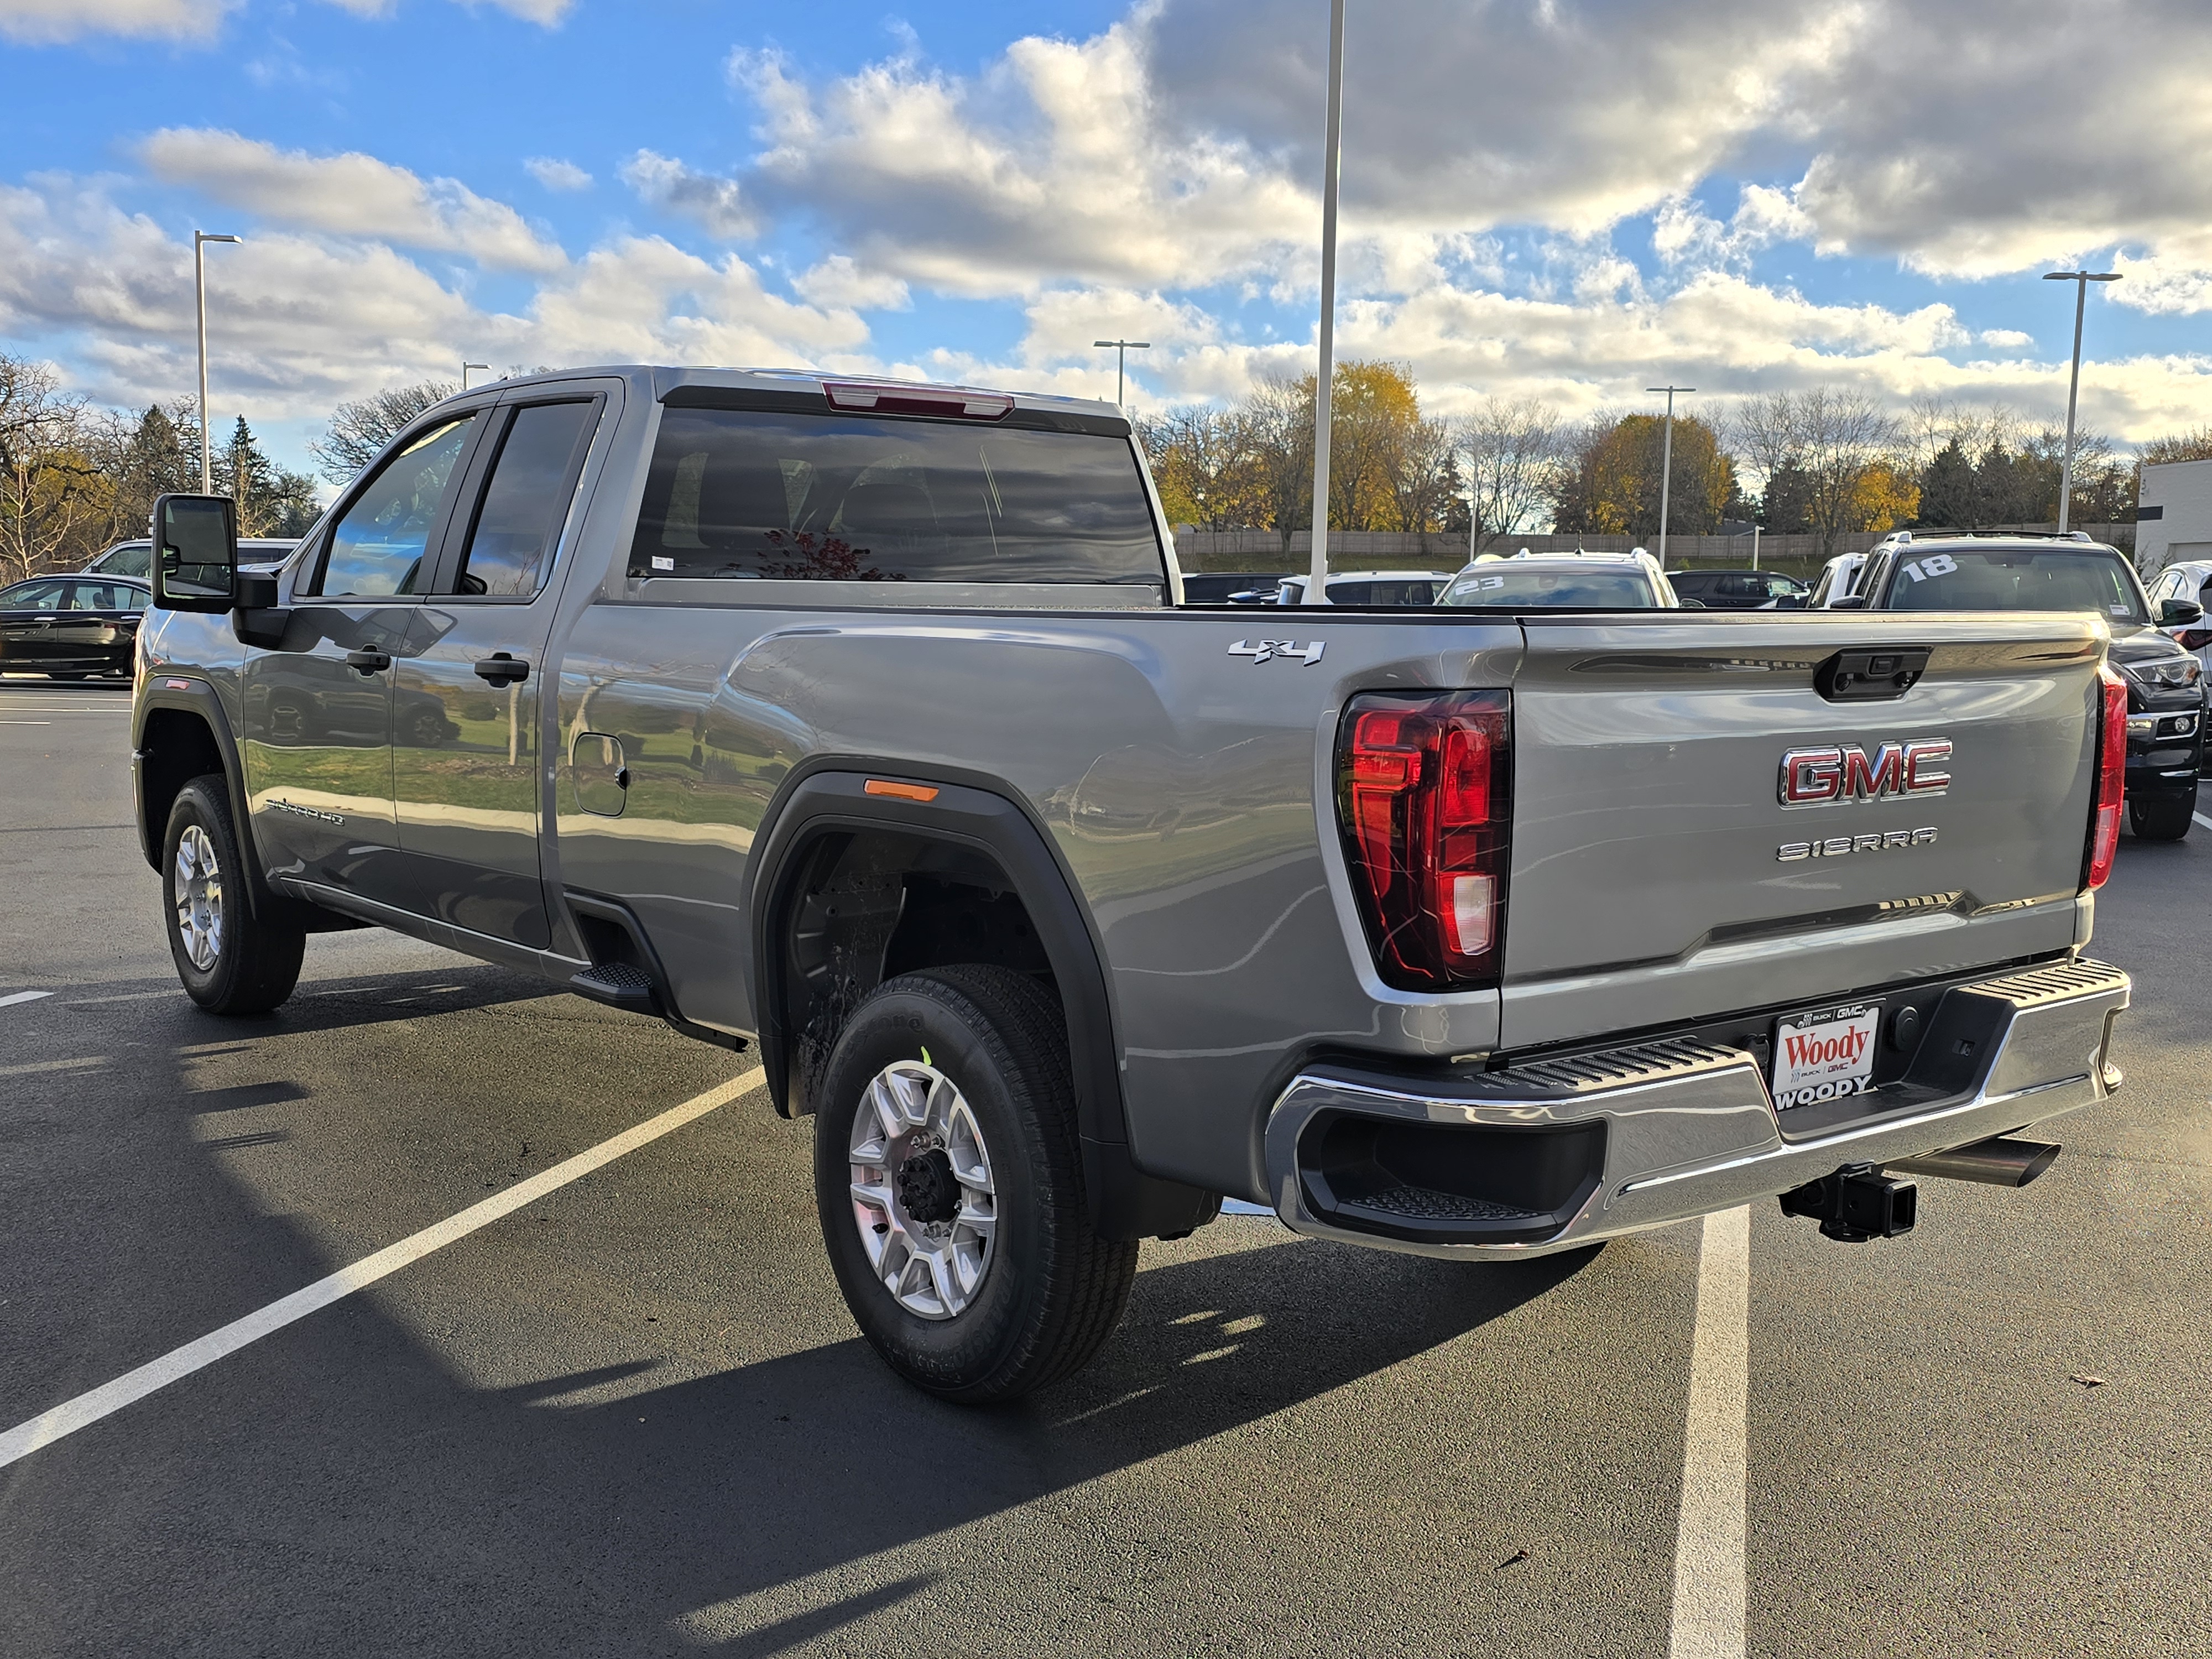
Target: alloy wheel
{"x": 922, "y": 1192}
{"x": 199, "y": 897}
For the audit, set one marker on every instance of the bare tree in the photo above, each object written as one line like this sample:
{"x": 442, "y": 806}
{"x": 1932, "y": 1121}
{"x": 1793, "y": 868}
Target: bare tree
{"x": 1510, "y": 451}
{"x": 1825, "y": 442}
{"x": 1278, "y": 419}
{"x": 359, "y": 429}
{"x": 55, "y": 499}
{"x": 1201, "y": 462}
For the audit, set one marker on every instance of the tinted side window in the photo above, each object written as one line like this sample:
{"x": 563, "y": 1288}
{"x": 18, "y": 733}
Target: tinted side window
{"x": 129, "y": 561}
{"x": 34, "y": 596}
{"x": 748, "y": 494}
{"x": 526, "y": 501}
{"x": 378, "y": 547}
{"x": 104, "y": 596}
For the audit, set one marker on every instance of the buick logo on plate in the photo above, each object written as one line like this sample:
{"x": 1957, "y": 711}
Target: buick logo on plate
{"x": 1844, "y": 772}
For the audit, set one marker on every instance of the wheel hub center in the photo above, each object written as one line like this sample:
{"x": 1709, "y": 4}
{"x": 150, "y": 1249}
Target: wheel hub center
{"x": 927, "y": 1189}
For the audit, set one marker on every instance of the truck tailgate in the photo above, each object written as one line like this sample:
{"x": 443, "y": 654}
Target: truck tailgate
{"x": 1658, "y": 874}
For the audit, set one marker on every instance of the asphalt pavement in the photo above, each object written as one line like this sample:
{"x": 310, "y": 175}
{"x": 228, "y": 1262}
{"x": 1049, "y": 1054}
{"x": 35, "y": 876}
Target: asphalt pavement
{"x": 632, "y": 1417}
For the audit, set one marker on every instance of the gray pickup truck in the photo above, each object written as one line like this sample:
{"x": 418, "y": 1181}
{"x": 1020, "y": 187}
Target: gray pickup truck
{"x": 865, "y": 722}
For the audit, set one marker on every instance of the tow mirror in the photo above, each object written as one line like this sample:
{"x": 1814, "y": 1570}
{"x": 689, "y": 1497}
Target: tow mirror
{"x": 195, "y": 552}
{"x": 2180, "y": 613}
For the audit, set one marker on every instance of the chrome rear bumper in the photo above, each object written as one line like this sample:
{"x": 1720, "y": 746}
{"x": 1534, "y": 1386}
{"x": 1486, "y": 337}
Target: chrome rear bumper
{"x": 1688, "y": 1127}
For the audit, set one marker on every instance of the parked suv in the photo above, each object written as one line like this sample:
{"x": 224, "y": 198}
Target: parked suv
{"x": 2012, "y": 572}
{"x": 135, "y": 559}
{"x": 1740, "y": 589}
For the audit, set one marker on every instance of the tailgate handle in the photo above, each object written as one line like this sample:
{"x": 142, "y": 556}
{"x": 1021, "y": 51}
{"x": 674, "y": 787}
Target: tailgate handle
{"x": 1873, "y": 676}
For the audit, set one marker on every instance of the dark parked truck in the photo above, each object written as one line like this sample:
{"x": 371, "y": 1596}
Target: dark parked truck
{"x": 865, "y": 723}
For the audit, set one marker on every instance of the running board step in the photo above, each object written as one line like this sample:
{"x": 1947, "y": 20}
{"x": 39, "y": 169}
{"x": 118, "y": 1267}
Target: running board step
{"x": 619, "y": 985}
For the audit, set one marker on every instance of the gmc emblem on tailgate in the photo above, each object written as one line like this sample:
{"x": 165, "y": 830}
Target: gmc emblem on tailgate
{"x": 1825, "y": 777}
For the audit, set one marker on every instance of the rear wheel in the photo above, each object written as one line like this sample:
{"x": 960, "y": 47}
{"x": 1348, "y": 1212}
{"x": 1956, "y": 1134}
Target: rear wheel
{"x": 230, "y": 961}
{"x": 950, "y": 1182}
{"x": 2162, "y": 817}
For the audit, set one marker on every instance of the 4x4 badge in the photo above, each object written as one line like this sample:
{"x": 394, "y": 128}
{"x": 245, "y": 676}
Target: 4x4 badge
{"x": 1268, "y": 649}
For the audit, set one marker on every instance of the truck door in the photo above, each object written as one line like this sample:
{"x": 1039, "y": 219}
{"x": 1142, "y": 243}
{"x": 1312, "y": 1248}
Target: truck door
{"x": 318, "y": 707}
{"x": 467, "y": 771}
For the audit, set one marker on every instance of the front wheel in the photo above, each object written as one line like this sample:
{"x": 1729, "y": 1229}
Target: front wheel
{"x": 231, "y": 961}
{"x": 950, "y": 1182}
{"x": 2162, "y": 817}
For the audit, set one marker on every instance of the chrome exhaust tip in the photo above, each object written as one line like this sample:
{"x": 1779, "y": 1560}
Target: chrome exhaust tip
{"x": 2000, "y": 1161}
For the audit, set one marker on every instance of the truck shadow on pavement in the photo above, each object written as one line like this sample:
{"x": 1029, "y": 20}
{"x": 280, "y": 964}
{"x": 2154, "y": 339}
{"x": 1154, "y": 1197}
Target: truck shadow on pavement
{"x": 797, "y": 1466}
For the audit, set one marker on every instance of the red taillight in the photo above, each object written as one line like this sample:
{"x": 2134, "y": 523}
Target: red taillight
{"x": 1424, "y": 793}
{"x": 2112, "y": 776}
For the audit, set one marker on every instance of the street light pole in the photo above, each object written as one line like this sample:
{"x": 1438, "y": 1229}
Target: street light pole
{"x": 1122, "y": 351}
{"x": 465, "y": 367}
{"x": 1667, "y": 463}
{"x": 2081, "y": 279}
{"x": 200, "y": 239}
{"x": 1332, "y": 151}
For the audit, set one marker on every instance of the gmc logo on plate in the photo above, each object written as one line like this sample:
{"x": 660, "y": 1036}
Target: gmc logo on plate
{"x": 1823, "y": 777}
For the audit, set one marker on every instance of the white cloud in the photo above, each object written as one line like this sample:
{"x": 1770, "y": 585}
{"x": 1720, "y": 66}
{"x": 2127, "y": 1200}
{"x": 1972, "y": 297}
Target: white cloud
{"x": 2005, "y": 338}
{"x": 42, "y": 22}
{"x": 837, "y": 281}
{"x": 2170, "y": 288}
{"x": 1178, "y": 146}
{"x": 716, "y": 206}
{"x": 348, "y": 195}
{"x": 298, "y": 323}
{"x": 46, "y": 21}
{"x": 1049, "y": 166}
{"x": 556, "y": 174}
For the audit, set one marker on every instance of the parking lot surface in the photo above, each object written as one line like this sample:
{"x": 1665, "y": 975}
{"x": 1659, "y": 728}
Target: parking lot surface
{"x": 633, "y": 1417}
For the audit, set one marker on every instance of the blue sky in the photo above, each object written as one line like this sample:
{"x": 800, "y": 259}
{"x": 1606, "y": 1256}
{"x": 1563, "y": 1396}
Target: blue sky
{"x": 1565, "y": 199}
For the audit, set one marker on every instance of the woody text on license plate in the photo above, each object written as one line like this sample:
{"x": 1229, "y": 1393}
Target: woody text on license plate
{"x": 1820, "y": 1056}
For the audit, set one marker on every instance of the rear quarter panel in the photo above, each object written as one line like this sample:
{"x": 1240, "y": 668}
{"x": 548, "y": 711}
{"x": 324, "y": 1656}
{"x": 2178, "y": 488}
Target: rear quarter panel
{"x": 1178, "y": 782}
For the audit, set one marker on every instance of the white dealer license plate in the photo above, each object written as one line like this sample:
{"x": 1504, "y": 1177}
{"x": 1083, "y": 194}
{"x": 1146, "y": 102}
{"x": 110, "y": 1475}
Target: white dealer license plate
{"x": 1820, "y": 1056}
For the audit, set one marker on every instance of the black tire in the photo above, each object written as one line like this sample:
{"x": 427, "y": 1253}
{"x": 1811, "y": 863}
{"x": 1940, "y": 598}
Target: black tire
{"x": 251, "y": 964}
{"x": 2162, "y": 817}
{"x": 1051, "y": 1290}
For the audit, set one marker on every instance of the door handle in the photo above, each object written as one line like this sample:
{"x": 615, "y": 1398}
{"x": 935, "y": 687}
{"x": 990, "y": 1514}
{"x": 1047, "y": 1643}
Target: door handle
{"x": 502, "y": 668}
{"x": 369, "y": 662}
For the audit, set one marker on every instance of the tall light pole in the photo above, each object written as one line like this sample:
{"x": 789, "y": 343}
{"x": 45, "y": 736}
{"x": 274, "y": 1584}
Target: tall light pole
{"x": 1667, "y": 463}
{"x": 1122, "y": 351}
{"x": 465, "y": 367}
{"x": 1332, "y": 152}
{"x": 200, "y": 239}
{"x": 2081, "y": 279}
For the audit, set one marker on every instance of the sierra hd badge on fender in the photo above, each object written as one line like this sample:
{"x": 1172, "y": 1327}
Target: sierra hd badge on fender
{"x": 1842, "y": 772}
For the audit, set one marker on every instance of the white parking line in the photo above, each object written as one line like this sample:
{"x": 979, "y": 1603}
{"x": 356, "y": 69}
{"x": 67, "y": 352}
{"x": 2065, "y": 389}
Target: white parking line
{"x": 1709, "y": 1536}
{"x": 2201, "y": 819}
{"x": 15, "y": 997}
{"x": 157, "y": 1374}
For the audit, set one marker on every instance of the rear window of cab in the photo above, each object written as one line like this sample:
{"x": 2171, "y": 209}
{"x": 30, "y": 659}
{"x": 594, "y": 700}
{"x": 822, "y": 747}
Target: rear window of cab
{"x": 754, "y": 494}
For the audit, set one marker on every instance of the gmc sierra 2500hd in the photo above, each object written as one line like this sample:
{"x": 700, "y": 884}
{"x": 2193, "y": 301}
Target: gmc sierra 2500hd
{"x": 864, "y": 721}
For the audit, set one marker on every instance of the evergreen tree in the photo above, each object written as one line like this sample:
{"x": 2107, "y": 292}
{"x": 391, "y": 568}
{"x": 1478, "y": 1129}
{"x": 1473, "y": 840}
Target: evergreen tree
{"x": 1946, "y": 489}
{"x": 272, "y": 501}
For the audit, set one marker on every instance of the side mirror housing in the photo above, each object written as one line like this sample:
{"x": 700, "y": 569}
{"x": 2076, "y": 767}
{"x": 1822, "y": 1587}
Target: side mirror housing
{"x": 1690, "y": 604}
{"x": 195, "y": 566}
{"x": 1849, "y": 602}
{"x": 2180, "y": 613}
